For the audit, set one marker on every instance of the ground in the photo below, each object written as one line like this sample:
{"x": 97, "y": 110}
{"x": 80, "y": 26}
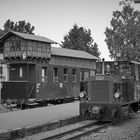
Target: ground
{"x": 126, "y": 130}
{"x": 3, "y": 109}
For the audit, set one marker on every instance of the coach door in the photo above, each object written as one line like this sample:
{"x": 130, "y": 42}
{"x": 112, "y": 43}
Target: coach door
{"x": 84, "y": 75}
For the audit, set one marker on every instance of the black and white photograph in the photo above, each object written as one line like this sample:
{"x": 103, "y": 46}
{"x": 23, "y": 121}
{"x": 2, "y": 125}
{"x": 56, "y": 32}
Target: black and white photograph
{"x": 69, "y": 69}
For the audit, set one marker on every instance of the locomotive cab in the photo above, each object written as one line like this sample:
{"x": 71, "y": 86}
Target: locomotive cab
{"x": 110, "y": 89}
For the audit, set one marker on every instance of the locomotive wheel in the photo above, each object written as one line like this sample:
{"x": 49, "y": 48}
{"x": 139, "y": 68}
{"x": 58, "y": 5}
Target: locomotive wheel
{"x": 114, "y": 116}
{"x": 131, "y": 112}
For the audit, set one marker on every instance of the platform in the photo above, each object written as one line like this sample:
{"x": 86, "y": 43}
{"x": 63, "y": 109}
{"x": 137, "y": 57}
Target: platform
{"x": 36, "y": 116}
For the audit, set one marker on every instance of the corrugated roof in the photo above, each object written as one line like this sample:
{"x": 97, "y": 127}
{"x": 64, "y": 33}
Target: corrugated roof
{"x": 31, "y": 37}
{"x": 72, "y": 53}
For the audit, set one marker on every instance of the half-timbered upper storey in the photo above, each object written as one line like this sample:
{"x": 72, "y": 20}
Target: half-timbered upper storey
{"x": 24, "y": 46}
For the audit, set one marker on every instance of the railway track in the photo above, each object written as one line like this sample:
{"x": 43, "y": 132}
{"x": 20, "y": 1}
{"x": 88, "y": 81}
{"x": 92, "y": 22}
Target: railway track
{"x": 85, "y": 128}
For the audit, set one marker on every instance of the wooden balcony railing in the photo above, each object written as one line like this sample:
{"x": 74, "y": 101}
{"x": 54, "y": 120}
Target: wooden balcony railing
{"x": 28, "y": 54}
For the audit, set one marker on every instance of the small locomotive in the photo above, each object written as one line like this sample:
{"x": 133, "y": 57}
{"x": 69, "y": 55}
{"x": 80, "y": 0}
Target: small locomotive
{"x": 114, "y": 92}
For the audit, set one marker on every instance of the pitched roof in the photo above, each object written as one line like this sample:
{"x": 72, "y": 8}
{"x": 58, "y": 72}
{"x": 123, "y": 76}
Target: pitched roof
{"x": 2, "y": 32}
{"x": 72, "y": 53}
{"x": 30, "y": 37}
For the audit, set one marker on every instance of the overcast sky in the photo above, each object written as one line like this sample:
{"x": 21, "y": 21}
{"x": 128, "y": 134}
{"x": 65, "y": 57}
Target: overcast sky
{"x": 54, "y": 18}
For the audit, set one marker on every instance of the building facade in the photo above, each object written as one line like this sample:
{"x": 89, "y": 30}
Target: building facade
{"x": 4, "y": 73}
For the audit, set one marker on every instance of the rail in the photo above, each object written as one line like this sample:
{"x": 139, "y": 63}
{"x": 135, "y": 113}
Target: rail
{"x": 74, "y": 133}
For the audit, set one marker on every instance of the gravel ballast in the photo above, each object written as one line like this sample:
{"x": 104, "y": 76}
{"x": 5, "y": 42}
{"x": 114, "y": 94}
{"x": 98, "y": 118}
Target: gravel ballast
{"x": 126, "y": 130}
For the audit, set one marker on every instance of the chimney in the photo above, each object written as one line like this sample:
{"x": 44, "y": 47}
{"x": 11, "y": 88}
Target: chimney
{"x": 103, "y": 66}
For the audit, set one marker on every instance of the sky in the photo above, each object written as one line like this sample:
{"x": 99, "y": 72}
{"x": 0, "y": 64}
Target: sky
{"x": 54, "y": 18}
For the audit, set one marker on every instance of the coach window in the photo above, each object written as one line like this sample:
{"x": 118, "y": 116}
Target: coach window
{"x": 81, "y": 76}
{"x": 20, "y": 72}
{"x": 44, "y": 74}
{"x": 92, "y": 72}
{"x": 107, "y": 69}
{"x": 55, "y": 74}
{"x": 65, "y": 75}
{"x": 73, "y": 75}
{"x": 86, "y": 75}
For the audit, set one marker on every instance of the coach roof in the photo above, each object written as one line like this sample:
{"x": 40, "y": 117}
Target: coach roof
{"x": 72, "y": 53}
{"x": 29, "y": 37}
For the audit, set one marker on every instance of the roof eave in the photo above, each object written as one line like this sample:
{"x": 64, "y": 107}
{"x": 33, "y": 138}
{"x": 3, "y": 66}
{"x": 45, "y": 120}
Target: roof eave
{"x": 11, "y": 32}
{"x": 75, "y": 57}
{"x": 39, "y": 41}
{"x": 4, "y": 36}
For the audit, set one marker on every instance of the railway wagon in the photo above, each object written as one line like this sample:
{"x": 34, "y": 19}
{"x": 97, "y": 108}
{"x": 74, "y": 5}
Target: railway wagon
{"x": 114, "y": 92}
{"x": 42, "y": 73}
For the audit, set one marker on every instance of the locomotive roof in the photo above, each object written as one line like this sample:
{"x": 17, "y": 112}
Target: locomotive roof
{"x": 72, "y": 53}
{"x": 29, "y": 37}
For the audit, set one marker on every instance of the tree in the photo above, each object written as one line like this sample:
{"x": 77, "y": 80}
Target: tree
{"x": 124, "y": 34}
{"x": 79, "y": 38}
{"x": 20, "y": 26}
{"x": 127, "y": 2}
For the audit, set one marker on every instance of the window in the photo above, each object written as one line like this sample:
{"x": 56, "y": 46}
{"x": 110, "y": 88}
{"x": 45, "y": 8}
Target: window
{"x": 20, "y": 72}
{"x": 81, "y": 76}
{"x": 55, "y": 74}
{"x": 1, "y": 70}
{"x": 13, "y": 47}
{"x": 44, "y": 74}
{"x": 92, "y": 72}
{"x": 107, "y": 68}
{"x": 73, "y": 75}
{"x": 84, "y": 75}
{"x": 65, "y": 75}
